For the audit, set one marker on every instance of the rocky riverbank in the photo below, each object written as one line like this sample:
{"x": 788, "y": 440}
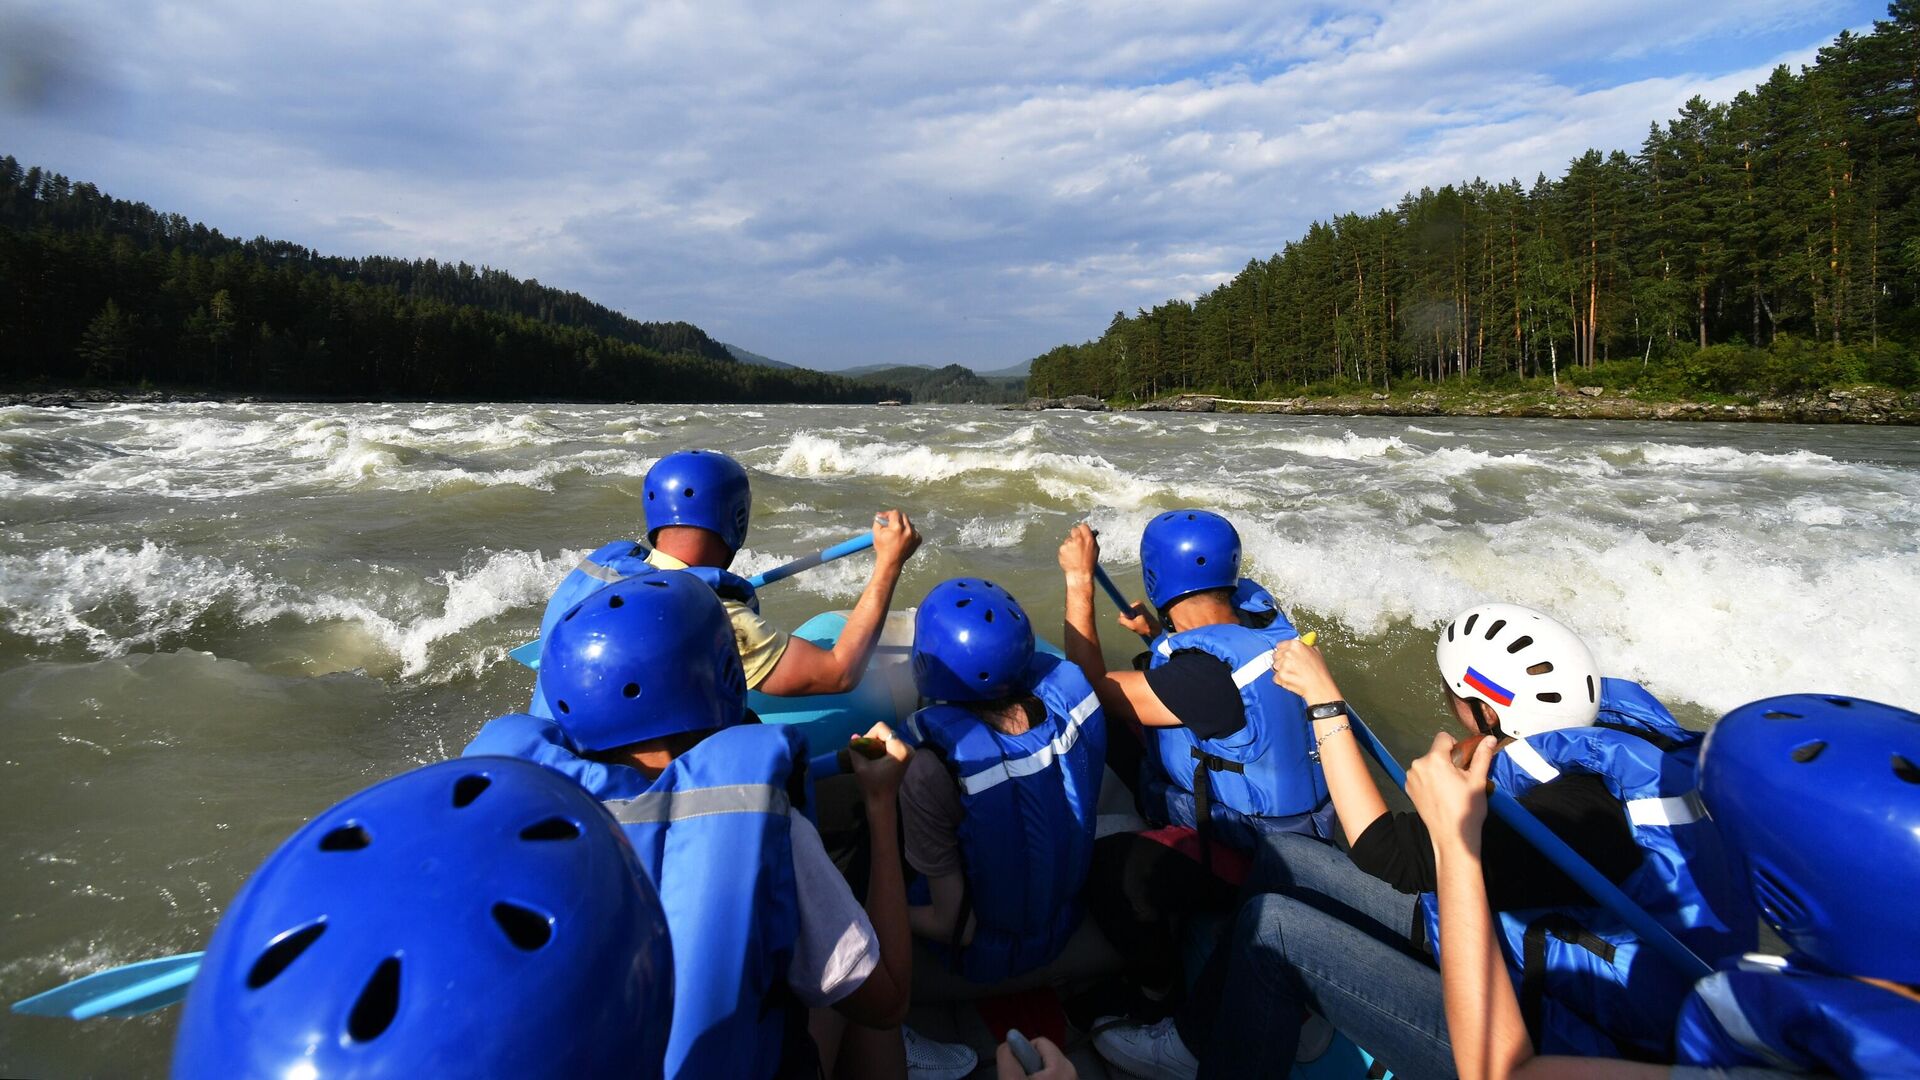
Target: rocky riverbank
{"x": 1860, "y": 405}
{"x": 1072, "y": 401}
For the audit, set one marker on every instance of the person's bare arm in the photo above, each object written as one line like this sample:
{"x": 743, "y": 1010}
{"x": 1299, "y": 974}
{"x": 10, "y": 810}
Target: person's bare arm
{"x": 1489, "y": 1036}
{"x": 1123, "y": 694}
{"x": 806, "y": 668}
{"x": 882, "y": 1000}
{"x": 935, "y": 921}
{"x": 1299, "y": 667}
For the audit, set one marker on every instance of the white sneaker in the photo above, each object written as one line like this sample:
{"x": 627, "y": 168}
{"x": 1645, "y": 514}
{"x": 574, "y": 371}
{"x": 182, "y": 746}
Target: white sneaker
{"x": 1153, "y": 1051}
{"x": 929, "y": 1060}
{"x": 1316, "y": 1036}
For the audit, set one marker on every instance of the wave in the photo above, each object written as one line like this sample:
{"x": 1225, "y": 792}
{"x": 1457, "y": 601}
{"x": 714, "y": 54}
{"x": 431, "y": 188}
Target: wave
{"x": 113, "y": 600}
{"x": 1348, "y": 447}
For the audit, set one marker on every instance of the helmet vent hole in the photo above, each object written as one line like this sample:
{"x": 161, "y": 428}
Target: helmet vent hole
{"x": 960, "y": 584}
{"x": 1015, "y": 614}
{"x": 1544, "y": 667}
{"x": 1519, "y": 643}
{"x": 1591, "y": 697}
{"x": 346, "y": 838}
{"x": 1906, "y": 769}
{"x": 1449, "y": 631}
{"x": 1845, "y": 703}
{"x": 1778, "y": 904}
{"x": 688, "y": 492}
{"x": 655, "y": 584}
{"x": 1189, "y": 517}
{"x": 1498, "y": 625}
{"x": 553, "y": 828}
{"x": 988, "y": 584}
{"x": 525, "y": 927}
{"x": 379, "y": 1003}
{"x": 285, "y": 950}
{"x": 1549, "y": 697}
{"x": 614, "y": 601}
{"x": 985, "y": 677}
{"x": 1806, "y": 752}
{"x": 963, "y": 603}
{"x": 1471, "y": 619}
{"x": 631, "y": 690}
{"x": 988, "y": 616}
{"x": 1199, "y": 560}
{"x": 571, "y": 612}
{"x": 1776, "y": 714}
{"x": 564, "y": 710}
{"x": 468, "y": 788}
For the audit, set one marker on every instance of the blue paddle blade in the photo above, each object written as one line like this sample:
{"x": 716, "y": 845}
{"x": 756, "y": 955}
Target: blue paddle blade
{"x": 528, "y": 654}
{"x": 122, "y": 991}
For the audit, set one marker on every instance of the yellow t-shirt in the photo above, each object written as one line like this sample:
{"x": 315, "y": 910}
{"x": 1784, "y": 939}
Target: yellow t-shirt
{"x": 761, "y": 644}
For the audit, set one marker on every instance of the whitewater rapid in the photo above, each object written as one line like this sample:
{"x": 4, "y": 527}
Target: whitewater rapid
{"x": 216, "y": 618}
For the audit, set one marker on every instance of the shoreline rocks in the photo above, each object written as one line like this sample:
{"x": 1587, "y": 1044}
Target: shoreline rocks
{"x": 1072, "y": 401}
{"x": 1859, "y": 405}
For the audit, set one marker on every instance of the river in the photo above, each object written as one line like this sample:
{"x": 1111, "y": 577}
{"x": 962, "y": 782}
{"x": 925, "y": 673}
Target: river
{"x": 216, "y": 619}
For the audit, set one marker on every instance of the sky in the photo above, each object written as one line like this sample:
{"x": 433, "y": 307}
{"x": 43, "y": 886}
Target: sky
{"x": 837, "y": 184}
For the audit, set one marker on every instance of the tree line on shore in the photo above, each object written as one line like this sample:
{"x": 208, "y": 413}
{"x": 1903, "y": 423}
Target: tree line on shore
{"x": 99, "y": 290}
{"x": 1762, "y": 246}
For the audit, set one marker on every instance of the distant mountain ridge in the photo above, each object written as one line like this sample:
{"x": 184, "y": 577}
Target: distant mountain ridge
{"x": 951, "y": 384}
{"x": 756, "y": 359}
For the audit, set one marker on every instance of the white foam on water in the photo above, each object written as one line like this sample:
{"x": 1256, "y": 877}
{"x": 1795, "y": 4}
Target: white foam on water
{"x": 1083, "y": 479}
{"x": 994, "y": 532}
{"x": 115, "y": 600}
{"x": 1717, "y": 617}
{"x": 1348, "y": 447}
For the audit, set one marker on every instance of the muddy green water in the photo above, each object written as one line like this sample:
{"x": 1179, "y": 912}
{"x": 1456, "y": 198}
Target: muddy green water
{"x": 217, "y": 619}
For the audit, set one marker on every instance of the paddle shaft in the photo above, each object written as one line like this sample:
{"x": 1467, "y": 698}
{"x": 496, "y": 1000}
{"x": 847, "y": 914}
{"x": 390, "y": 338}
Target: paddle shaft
{"x": 841, "y": 550}
{"x": 1119, "y": 599}
{"x": 1569, "y": 862}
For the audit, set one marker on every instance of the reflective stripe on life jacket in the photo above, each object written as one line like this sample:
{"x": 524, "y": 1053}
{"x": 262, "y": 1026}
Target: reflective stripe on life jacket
{"x": 1030, "y": 802}
{"x": 1767, "y": 1013}
{"x": 1586, "y": 984}
{"x": 714, "y": 835}
{"x": 613, "y": 563}
{"x": 1258, "y": 779}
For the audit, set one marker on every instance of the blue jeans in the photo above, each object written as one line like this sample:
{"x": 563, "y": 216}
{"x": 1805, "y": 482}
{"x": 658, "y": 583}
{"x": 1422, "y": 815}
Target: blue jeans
{"x": 1317, "y": 933}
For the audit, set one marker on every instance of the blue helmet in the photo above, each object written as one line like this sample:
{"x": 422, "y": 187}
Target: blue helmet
{"x": 649, "y": 656}
{"x": 1188, "y": 551}
{"x": 971, "y": 642}
{"x": 702, "y": 488}
{"x": 478, "y": 915}
{"x": 1820, "y": 795}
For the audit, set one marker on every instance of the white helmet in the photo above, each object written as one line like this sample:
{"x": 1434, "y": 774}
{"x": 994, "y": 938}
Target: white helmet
{"x": 1535, "y": 673}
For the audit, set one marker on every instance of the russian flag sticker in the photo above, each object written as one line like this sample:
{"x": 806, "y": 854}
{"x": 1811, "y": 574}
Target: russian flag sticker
{"x": 1495, "y": 693}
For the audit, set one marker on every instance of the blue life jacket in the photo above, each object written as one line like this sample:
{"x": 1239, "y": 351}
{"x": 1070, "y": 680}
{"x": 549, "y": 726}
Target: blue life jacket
{"x": 1586, "y": 984}
{"x": 1766, "y": 1013}
{"x": 713, "y": 834}
{"x": 1257, "y": 780}
{"x": 1031, "y": 801}
{"x": 618, "y": 561}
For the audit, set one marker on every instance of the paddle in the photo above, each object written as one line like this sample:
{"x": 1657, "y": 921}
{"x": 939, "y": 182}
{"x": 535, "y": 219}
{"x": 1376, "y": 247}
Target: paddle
{"x": 1605, "y": 892}
{"x": 1119, "y": 599}
{"x": 123, "y": 991}
{"x": 528, "y": 654}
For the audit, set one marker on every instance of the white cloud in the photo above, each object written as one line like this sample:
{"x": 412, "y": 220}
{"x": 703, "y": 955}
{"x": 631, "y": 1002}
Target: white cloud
{"x": 841, "y": 183}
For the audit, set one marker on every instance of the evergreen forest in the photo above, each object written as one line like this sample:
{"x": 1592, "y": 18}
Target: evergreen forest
{"x": 98, "y": 290}
{"x": 1769, "y": 245}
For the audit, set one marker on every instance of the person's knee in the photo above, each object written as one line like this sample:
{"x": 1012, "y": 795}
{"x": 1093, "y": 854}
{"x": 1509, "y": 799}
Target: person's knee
{"x": 1287, "y": 860}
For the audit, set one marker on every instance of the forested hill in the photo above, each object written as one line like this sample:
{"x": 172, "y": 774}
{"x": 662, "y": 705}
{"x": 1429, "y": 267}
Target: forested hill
{"x": 951, "y": 384}
{"x": 1770, "y": 244}
{"x": 95, "y": 289}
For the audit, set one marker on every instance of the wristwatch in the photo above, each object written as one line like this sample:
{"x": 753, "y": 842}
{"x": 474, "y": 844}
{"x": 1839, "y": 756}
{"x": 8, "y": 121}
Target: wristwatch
{"x": 1328, "y": 711}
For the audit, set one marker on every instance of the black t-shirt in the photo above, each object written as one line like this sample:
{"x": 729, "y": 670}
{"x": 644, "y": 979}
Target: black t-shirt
{"x": 1197, "y": 688}
{"x": 1577, "y": 807}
